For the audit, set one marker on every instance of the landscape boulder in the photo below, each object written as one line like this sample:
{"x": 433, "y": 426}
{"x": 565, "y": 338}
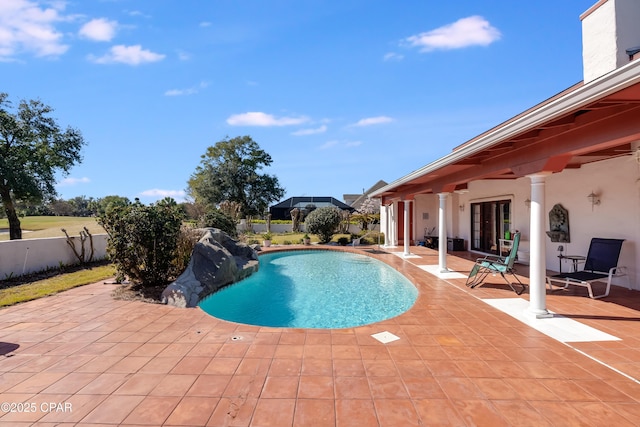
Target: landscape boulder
{"x": 217, "y": 260}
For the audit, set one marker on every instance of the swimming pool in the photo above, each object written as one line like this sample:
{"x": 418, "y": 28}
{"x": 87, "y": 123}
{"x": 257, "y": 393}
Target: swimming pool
{"x": 314, "y": 289}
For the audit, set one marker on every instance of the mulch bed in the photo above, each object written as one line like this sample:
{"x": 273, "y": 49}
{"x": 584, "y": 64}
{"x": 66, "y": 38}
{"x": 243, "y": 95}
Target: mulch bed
{"x": 131, "y": 292}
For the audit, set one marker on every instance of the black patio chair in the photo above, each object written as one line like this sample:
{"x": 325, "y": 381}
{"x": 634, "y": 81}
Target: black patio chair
{"x": 496, "y": 265}
{"x": 601, "y": 264}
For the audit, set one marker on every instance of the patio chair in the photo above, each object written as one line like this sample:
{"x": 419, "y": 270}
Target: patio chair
{"x": 496, "y": 265}
{"x": 601, "y": 264}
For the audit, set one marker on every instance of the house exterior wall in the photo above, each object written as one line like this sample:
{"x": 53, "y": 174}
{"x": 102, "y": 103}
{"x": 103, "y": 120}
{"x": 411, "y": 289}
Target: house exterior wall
{"x": 608, "y": 30}
{"x": 616, "y": 181}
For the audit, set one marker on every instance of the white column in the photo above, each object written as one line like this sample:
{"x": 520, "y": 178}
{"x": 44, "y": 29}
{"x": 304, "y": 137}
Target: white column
{"x": 537, "y": 240}
{"x": 393, "y": 230}
{"x": 442, "y": 233}
{"x": 387, "y": 225}
{"x": 407, "y": 227}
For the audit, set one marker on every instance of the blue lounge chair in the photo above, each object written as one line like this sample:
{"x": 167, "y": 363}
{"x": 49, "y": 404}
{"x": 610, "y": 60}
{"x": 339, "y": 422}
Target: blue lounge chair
{"x": 601, "y": 264}
{"x": 496, "y": 265}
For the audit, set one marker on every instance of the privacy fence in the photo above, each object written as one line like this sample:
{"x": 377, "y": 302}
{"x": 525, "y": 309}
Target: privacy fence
{"x": 19, "y": 257}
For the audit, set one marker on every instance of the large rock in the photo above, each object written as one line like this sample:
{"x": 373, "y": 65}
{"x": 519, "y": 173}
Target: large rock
{"x": 217, "y": 261}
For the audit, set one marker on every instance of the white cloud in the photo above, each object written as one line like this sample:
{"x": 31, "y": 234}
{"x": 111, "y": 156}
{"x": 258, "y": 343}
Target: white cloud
{"x": 303, "y": 132}
{"x": 73, "y": 181}
{"x": 131, "y": 55}
{"x": 471, "y": 31}
{"x": 329, "y": 144}
{"x": 373, "y": 121}
{"x": 178, "y": 195}
{"x": 393, "y": 56}
{"x": 189, "y": 91}
{"x": 336, "y": 144}
{"x": 27, "y": 27}
{"x": 100, "y": 29}
{"x": 205, "y": 24}
{"x": 137, "y": 13}
{"x": 263, "y": 119}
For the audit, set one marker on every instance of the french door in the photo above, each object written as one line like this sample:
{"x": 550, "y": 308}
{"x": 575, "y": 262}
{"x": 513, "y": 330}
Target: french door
{"x": 489, "y": 223}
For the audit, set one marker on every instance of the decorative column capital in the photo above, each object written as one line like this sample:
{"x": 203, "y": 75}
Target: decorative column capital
{"x": 538, "y": 176}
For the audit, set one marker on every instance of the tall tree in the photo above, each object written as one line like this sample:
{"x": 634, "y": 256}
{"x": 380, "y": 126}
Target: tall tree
{"x": 103, "y": 205}
{"x": 33, "y": 149}
{"x": 230, "y": 171}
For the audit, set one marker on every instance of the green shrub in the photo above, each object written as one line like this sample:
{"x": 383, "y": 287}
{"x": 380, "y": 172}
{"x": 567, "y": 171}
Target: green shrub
{"x": 187, "y": 239}
{"x": 217, "y": 219}
{"x": 372, "y": 238}
{"x": 143, "y": 240}
{"x": 323, "y": 222}
{"x": 343, "y": 241}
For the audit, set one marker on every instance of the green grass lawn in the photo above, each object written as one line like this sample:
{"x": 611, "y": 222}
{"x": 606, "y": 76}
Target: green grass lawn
{"x": 34, "y": 227}
{"x": 52, "y": 285}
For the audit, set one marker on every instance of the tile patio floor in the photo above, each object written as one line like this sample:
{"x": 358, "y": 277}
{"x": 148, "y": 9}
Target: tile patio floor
{"x": 458, "y": 362}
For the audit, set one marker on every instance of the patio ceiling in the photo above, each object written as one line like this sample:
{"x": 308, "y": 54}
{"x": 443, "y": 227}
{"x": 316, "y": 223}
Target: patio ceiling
{"x": 583, "y": 124}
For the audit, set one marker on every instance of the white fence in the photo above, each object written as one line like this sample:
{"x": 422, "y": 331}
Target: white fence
{"x": 19, "y": 257}
{"x": 286, "y": 228}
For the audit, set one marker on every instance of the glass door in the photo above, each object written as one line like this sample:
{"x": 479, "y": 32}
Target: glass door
{"x": 490, "y": 222}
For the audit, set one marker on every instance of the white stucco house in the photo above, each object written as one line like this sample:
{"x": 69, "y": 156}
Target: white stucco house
{"x": 580, "y": 149}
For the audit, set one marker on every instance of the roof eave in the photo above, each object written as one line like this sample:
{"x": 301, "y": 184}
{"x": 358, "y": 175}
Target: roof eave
{"x": 612, "y": 82}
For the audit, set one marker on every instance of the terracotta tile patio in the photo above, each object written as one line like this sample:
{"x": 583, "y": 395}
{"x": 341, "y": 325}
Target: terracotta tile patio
{"x": 82, "y": 358}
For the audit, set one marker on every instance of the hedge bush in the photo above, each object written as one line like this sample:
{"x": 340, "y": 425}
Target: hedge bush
{"x": 217, "y": 219}
{"x": 143, "y": 240}
{"x": 323, "y": 222}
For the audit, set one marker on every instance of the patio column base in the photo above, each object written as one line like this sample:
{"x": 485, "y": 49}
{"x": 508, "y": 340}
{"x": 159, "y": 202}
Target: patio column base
{"x": 530, "y": 313}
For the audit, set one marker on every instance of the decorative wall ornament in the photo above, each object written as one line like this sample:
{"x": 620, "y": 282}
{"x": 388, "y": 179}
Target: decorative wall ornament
{"x": 559, "y": 224}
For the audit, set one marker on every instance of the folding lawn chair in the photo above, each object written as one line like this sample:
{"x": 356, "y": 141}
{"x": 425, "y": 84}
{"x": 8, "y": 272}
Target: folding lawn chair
{"x": 496, "y": 265}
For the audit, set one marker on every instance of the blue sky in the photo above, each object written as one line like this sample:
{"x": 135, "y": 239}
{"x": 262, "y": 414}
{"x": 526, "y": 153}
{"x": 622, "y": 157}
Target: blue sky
{"x": 340, "y": 93}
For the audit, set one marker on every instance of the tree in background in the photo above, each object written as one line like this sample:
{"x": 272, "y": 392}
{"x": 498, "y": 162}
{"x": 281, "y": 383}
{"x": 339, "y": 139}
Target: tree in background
{"x": 230, "y": 171}
{"x": 369, "y": 213}
{"x": 32, "y": 149}
{"x": 104, "y": 204}
{"x": 82, "y": 206}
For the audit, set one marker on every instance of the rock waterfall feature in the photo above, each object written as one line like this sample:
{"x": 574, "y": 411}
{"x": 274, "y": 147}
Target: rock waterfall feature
{"x": 217, "y": 260}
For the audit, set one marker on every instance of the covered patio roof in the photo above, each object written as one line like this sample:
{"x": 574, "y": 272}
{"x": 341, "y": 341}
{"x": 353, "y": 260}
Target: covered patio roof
{"x": 583, "y": 124}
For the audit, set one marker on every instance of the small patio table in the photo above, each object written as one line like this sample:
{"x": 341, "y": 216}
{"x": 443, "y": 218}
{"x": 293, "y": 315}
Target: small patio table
{"x": 576, "y": 259}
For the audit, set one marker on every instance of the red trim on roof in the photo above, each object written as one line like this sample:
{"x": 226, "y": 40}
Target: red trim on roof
{"x": 592, "y": 9}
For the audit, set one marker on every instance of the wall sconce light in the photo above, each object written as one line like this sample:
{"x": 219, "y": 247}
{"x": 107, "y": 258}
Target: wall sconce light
{"x": 594, "y": 199}
{"x": 528, "y": 203}
{"x": 461, "y": 207}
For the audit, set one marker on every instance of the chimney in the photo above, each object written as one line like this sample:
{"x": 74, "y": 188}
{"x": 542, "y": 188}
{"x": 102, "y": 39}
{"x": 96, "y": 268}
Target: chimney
{"x": 610, "y": 36}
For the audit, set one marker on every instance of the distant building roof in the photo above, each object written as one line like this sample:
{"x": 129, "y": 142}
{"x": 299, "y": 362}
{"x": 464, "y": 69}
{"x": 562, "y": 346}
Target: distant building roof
{"x": 282, "y": 209}
{"x": 318, "y": 202}
{"x": 356, "y": 200}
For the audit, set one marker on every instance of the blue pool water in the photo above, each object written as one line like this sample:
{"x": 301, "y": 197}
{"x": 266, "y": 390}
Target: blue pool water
{"x": 314, "y": 289}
